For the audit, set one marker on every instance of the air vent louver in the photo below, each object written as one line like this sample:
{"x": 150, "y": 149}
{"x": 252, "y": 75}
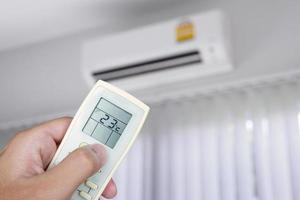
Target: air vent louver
{"x": 158, "y": 64}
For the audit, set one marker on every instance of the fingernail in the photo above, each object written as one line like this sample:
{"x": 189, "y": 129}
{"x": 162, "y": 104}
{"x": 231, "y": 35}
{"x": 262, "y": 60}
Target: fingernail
{"x": 100, "y": 151}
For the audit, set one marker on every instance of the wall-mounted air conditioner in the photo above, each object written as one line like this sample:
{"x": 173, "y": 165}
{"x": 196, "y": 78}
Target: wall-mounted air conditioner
{"x": 175, "y": 51}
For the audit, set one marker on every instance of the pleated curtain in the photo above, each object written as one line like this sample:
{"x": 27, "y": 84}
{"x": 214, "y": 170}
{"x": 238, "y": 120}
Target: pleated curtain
{"x": 237, "y": 144}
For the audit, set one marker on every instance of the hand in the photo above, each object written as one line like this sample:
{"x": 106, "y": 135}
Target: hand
{"x": 24, "y": 160}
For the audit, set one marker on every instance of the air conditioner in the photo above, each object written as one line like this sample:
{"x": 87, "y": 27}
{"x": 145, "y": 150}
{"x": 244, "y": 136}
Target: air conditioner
{"x": 170, "y": 52}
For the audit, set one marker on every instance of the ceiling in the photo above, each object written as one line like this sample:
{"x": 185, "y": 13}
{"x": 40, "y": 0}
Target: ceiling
{"x": 31, "y": 21}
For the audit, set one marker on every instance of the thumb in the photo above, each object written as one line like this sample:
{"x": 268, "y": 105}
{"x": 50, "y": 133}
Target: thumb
{"x": 75, "y": 169}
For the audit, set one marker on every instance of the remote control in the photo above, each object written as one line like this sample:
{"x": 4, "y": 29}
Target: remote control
{"x": 108, "y": 116}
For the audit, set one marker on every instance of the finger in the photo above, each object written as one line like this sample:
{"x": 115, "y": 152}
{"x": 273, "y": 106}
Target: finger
{"x": 75, "y": 169}
{"x": 56, "y": 128}
{"x": 48, "y": 136}
{"x": 110, "y": 191}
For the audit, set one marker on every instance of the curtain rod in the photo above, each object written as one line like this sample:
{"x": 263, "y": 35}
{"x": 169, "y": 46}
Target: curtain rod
{"x": 191, "y": 90}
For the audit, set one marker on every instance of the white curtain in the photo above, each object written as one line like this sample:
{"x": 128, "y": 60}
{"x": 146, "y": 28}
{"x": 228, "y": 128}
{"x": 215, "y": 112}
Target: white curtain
{"x": 240, "y": 144}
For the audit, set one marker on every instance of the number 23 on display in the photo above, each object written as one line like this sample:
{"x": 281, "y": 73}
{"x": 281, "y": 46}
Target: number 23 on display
{"x": 113, "y": 123}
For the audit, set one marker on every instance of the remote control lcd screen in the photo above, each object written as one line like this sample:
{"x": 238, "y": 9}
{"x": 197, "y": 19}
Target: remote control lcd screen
{"x": 107, "y": 122}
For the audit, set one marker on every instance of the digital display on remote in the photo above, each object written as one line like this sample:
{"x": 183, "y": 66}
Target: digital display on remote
{"x": 107, "y": 122}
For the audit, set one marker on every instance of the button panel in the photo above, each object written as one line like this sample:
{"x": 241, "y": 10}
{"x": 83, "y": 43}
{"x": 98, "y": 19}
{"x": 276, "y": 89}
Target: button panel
{"x": 88, "y": 189}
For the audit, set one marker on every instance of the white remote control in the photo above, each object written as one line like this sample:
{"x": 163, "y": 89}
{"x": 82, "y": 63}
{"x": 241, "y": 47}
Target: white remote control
{"x": 108, "y": 116}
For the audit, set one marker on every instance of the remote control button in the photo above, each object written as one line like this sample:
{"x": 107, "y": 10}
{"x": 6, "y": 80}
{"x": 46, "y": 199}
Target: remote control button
{"x": 91, "y": 185}
{"x": 82, "y": 144}
{"x": 85, "y": 195}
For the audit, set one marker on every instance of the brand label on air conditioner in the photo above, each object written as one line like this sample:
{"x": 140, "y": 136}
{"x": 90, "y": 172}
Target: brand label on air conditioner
{"x": 185, "y": 31}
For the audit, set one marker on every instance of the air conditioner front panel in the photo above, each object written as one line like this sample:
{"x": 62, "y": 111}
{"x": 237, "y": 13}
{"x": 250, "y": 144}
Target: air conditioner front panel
{"x": 153, "y": 42}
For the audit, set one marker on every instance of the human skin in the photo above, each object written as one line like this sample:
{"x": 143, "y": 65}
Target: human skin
{"x": 23, "y": 164}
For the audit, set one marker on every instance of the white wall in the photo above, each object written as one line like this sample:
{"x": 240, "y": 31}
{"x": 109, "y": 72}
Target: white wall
{"x": 45, "y": 78}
